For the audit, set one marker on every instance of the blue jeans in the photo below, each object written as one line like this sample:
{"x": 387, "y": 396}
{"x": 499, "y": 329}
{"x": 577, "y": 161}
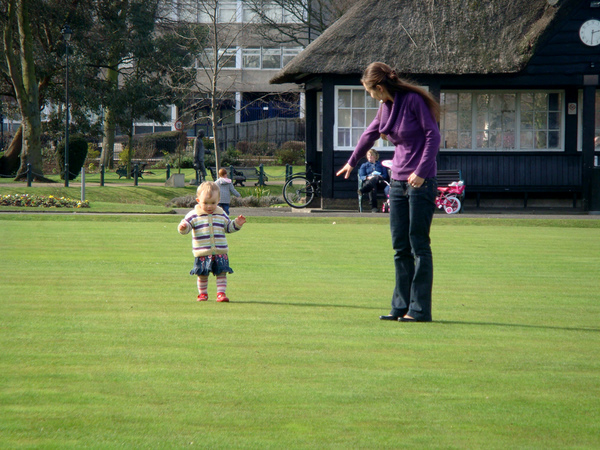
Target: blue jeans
{"x": 411, "y": 213}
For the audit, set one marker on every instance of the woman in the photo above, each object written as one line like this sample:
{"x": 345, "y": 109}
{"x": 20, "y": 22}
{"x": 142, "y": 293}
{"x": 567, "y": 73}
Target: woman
{"x": 407, "y": 118}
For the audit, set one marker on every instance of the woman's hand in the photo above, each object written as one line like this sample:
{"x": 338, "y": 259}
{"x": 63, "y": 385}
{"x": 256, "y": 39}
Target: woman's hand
{"x": 346, "y": 171}
{"x": 415, "y": 180}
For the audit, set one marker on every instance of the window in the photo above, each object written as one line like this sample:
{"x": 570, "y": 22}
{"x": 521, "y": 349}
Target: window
{"x": 355, "y": 111}
{"x": 273, "y": 12}
{"x": 289, "y": 54}
{"x": 227, "y": 58}
{"x": 271, "y": 58}
{"x": 292, "y": 15}
{"x": 227, "y": 12}
{"x": 501, "y": 120}
{"x": 251, "y": 58}
{"x": 249, "y": 14}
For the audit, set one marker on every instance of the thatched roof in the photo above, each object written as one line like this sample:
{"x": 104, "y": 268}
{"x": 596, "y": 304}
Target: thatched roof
{"x": 429, "y": 37}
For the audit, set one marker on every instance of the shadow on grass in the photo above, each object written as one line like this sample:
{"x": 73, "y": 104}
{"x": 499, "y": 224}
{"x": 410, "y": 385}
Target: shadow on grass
{"x": 443, "y": 322}
{"x": 309, "y": 305}
{"x": 518, "y": 325}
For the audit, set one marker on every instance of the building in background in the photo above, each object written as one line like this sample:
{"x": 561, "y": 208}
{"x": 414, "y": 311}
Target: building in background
{"x": 517, "y": 82}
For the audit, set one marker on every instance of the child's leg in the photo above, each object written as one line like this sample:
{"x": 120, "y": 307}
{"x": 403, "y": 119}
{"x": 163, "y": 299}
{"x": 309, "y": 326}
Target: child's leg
{"x": 222, "y": 283}
{"x": 222, "y": 287}
{"x": 202, "y": 287}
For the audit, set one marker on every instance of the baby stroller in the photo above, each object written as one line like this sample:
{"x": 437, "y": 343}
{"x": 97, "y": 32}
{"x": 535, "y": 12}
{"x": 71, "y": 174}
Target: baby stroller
{"x": 448, "y": 197}
{"x": 386, "y": 204}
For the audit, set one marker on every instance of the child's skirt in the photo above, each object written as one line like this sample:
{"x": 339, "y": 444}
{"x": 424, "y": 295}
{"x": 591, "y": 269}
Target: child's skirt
{"x": 215, "y": 264}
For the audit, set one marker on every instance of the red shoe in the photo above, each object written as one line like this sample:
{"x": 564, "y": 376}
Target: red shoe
{"x": 221, "y": 297}
{"x": 202, "y": 297}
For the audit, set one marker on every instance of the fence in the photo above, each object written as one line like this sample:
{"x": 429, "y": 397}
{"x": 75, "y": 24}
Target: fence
{"x": 276, "y": 131}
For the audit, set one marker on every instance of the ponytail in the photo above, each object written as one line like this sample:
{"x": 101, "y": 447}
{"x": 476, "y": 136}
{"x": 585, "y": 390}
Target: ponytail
{"x": 379, "y": 73}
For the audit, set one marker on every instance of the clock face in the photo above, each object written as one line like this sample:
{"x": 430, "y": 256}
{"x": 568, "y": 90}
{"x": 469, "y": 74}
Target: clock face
{"x": 590, "y": 32}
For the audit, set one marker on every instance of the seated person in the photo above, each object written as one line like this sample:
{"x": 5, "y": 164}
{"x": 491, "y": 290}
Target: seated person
{"x": 373, "y": 176}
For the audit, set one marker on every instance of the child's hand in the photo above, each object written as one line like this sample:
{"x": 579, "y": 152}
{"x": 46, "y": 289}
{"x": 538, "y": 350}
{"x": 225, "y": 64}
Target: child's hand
{"x": 240, "y": 220}
{"x": 181, "y": 227}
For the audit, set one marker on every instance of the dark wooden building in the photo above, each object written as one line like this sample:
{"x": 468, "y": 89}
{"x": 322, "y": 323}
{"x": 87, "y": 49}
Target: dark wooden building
{"x": 517, "y": 81}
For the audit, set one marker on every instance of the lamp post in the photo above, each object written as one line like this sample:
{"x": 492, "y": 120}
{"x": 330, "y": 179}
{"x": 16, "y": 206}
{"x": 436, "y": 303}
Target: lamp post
{"x": 67, "y": 32}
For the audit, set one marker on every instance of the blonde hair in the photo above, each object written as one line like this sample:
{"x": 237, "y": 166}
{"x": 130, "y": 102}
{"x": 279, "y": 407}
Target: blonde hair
{"x": 380, "y": 74}
{"x": 374, "y": 153}
{"x": 222, "y": 172}
{"x": 210, "y": 187}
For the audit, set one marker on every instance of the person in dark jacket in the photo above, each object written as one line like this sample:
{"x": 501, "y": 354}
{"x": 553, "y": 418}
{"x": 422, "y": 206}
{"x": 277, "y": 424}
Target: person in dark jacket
{"x": 374, "y": 178}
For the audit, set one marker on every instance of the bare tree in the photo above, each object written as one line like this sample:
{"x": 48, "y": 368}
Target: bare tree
{"x": 216, "y": 29}
{"x": 296, "y": 22}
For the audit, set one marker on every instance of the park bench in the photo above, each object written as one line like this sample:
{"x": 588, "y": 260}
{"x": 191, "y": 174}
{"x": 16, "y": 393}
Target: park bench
{"x": 239, "y": 175}
{"x": 213, "y": 173}
{"x": 122, "y": 170}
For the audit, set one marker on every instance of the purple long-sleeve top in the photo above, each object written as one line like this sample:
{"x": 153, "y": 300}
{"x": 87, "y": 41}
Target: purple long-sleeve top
{"x": 409, "y": 125}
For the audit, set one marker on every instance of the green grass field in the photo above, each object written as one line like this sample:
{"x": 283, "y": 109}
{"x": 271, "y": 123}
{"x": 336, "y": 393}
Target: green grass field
{"x": 104, "y": 346}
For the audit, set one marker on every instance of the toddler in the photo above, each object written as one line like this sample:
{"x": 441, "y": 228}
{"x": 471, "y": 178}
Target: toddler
{"x": 208, "y": 224}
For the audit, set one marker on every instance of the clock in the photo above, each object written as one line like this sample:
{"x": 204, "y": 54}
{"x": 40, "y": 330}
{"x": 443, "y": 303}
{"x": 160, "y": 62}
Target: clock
{"x": 589, "y": 33}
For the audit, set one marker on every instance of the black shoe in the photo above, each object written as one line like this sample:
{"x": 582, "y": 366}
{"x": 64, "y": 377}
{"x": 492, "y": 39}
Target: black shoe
{"x": 389, "y": 318}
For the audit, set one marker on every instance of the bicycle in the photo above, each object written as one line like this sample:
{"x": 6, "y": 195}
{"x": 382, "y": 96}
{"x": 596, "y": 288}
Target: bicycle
{"x": 448, "y": 197}
{"x": 302, "y": 188}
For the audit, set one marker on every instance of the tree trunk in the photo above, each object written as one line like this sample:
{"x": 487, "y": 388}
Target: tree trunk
{"x": 214, "y": 123}
{"x": 21, "y": 67}
{"x": 10, "y": 162}
{"x": 108, "y": 141}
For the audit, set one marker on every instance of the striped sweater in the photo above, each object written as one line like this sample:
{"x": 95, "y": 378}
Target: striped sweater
{"x": 208, "y": 231}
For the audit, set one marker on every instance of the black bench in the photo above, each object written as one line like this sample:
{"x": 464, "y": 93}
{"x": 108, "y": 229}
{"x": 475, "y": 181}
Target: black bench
{"x": 575, "y": 191}
{"x": 240, "y": 175}
{"x": 122, "y": 170}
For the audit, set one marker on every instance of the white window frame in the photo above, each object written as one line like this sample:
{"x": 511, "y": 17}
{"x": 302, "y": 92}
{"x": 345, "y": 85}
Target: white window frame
{"x": 518, "y": 121}
{"x": 379, "y": 145}
{"x": 228, "y": 54}
{"x": 208, "y": 55}
{"x": 270, "y": 51}
{"x": 228, "y": 6}
{"x": 252, "y": 52}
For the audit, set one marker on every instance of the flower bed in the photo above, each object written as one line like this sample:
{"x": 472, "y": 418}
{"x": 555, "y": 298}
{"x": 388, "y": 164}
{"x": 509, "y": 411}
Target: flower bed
{"x": 42, "y": 201}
